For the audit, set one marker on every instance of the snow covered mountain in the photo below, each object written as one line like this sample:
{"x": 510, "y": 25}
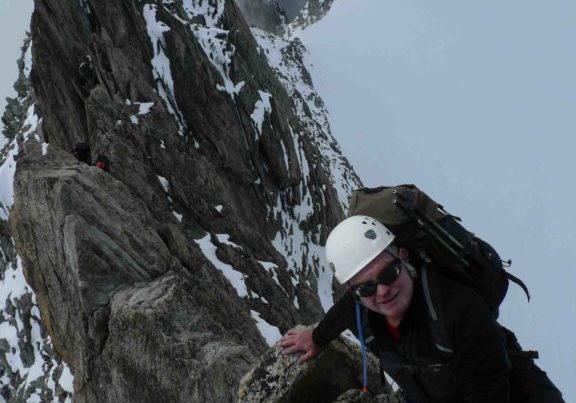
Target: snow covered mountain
{"x": 166, "y": 276}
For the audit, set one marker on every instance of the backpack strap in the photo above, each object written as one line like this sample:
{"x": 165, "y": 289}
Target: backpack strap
{"x": 437, "y": 327}
{"x": 519, "y": 283}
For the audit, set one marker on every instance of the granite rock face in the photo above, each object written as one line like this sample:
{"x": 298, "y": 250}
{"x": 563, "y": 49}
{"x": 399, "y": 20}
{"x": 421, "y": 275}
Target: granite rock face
{"x": 121, "y": 307}
{"x": 166, "y": 277}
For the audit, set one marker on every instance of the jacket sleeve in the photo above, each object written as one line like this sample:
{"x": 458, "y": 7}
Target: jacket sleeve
{"x": 481, "y": 363}
{"x": 339, "y": 317}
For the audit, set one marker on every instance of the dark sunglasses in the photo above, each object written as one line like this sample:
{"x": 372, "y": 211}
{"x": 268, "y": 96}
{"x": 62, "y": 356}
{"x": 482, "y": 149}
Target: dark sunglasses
{"x": 387, "y": 277}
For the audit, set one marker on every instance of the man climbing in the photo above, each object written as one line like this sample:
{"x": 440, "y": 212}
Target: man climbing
{"x": 82, "y": 152}
{"x": 389, "y": 307}
{"x": 102, "y": 162}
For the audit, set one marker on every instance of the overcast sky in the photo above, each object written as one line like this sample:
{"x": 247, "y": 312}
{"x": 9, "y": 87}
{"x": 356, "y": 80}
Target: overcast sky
{"x": 474, "y": 101}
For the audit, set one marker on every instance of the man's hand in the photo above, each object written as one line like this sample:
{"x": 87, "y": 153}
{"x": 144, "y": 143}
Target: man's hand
{"x": 299, "y": 340}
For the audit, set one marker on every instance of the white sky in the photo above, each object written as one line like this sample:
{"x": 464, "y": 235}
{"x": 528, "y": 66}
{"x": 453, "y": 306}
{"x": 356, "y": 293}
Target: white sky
{"x": 475, "y": 103}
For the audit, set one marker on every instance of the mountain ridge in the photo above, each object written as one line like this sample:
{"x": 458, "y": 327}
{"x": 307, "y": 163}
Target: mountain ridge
{"x": 219, "y": 196}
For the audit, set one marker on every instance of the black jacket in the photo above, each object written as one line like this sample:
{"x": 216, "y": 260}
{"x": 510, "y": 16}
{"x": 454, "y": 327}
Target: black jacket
{"x": 477, "y": 370}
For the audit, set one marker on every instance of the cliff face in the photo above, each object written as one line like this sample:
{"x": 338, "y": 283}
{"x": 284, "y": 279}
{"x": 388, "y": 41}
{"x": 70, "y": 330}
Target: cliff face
{"x": 165, "y": 278}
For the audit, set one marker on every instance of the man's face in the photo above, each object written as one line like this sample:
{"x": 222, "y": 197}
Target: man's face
{"x": 391, "y": 300}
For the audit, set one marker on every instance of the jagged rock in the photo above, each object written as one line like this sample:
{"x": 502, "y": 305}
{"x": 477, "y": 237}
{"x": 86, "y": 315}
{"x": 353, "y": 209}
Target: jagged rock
{"x": 337, "y": 370}
{"x": 154, "y": 280}
{"x": 120, "y": 307}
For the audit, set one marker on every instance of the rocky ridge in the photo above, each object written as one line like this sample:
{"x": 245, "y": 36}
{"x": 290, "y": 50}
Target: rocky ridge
{"x": 168, "y": 276}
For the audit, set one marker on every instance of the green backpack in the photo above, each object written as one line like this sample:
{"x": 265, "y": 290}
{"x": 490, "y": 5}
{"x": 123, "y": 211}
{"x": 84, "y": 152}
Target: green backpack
{"x": 436, "y": 240}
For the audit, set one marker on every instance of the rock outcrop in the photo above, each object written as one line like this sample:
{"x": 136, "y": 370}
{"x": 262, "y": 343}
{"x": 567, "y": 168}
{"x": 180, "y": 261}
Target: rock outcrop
{"x": 165, "y": 278}
{"x": 335, "y": 375}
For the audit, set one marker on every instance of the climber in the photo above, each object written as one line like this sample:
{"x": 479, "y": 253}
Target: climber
{"x": 82, "y": 152}
{"x": 387, "y": 307}
{"x": 102, "y": 162}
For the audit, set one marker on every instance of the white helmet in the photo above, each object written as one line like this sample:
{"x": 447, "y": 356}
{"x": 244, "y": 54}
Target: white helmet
{"x": 354, "y": 243}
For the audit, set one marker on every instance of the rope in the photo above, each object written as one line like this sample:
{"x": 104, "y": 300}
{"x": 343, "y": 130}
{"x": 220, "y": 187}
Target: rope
{"x": 363, "y": 348}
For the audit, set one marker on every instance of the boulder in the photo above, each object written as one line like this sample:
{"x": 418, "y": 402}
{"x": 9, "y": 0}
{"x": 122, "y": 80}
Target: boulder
{"x": 334, "y": 375}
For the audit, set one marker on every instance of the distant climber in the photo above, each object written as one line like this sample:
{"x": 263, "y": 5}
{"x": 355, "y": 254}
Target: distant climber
{"x": 87, "y": 73}
{"x": 82, "y": 152}
{"x": 102, "y": 162}
{"x": 434, "y": 335}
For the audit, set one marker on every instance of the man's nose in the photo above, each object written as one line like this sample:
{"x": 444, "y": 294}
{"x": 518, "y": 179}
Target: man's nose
{"x": 382, "y": 290}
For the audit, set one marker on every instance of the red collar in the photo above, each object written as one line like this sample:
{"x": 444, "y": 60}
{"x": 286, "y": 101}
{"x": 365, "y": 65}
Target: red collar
{"x": 393, "y": 331}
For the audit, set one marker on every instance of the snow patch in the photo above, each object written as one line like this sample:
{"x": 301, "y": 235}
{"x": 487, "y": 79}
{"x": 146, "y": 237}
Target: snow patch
{"x": 144, "y": 107}
{"x": 161, "y": 63}
{"x": 225, "y": 239}
{"x": 164, "y": 182}
{"x": 270, "y": 268}
{"x": 178, "y": 216}
{"x": 210, "y": 11}
{"x": 219, "y": 208}
{"x": 7, "y": 171}
{"x": 270, "y": 333}
{"x": 28, "y": 60}
{"x": 220, "y": 51}
{"x": 261, "y": 108}
{"x": 236, "y": 278}
{"x": 30, "y": 125}
{"x": 213, "y": 39}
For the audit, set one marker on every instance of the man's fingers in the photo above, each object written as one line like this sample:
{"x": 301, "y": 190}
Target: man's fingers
{"x": 290, "y": 349}
{"x": 296, "y": 340}
{"x": 282, "y": 341}
{"x": 286, "y": 341}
